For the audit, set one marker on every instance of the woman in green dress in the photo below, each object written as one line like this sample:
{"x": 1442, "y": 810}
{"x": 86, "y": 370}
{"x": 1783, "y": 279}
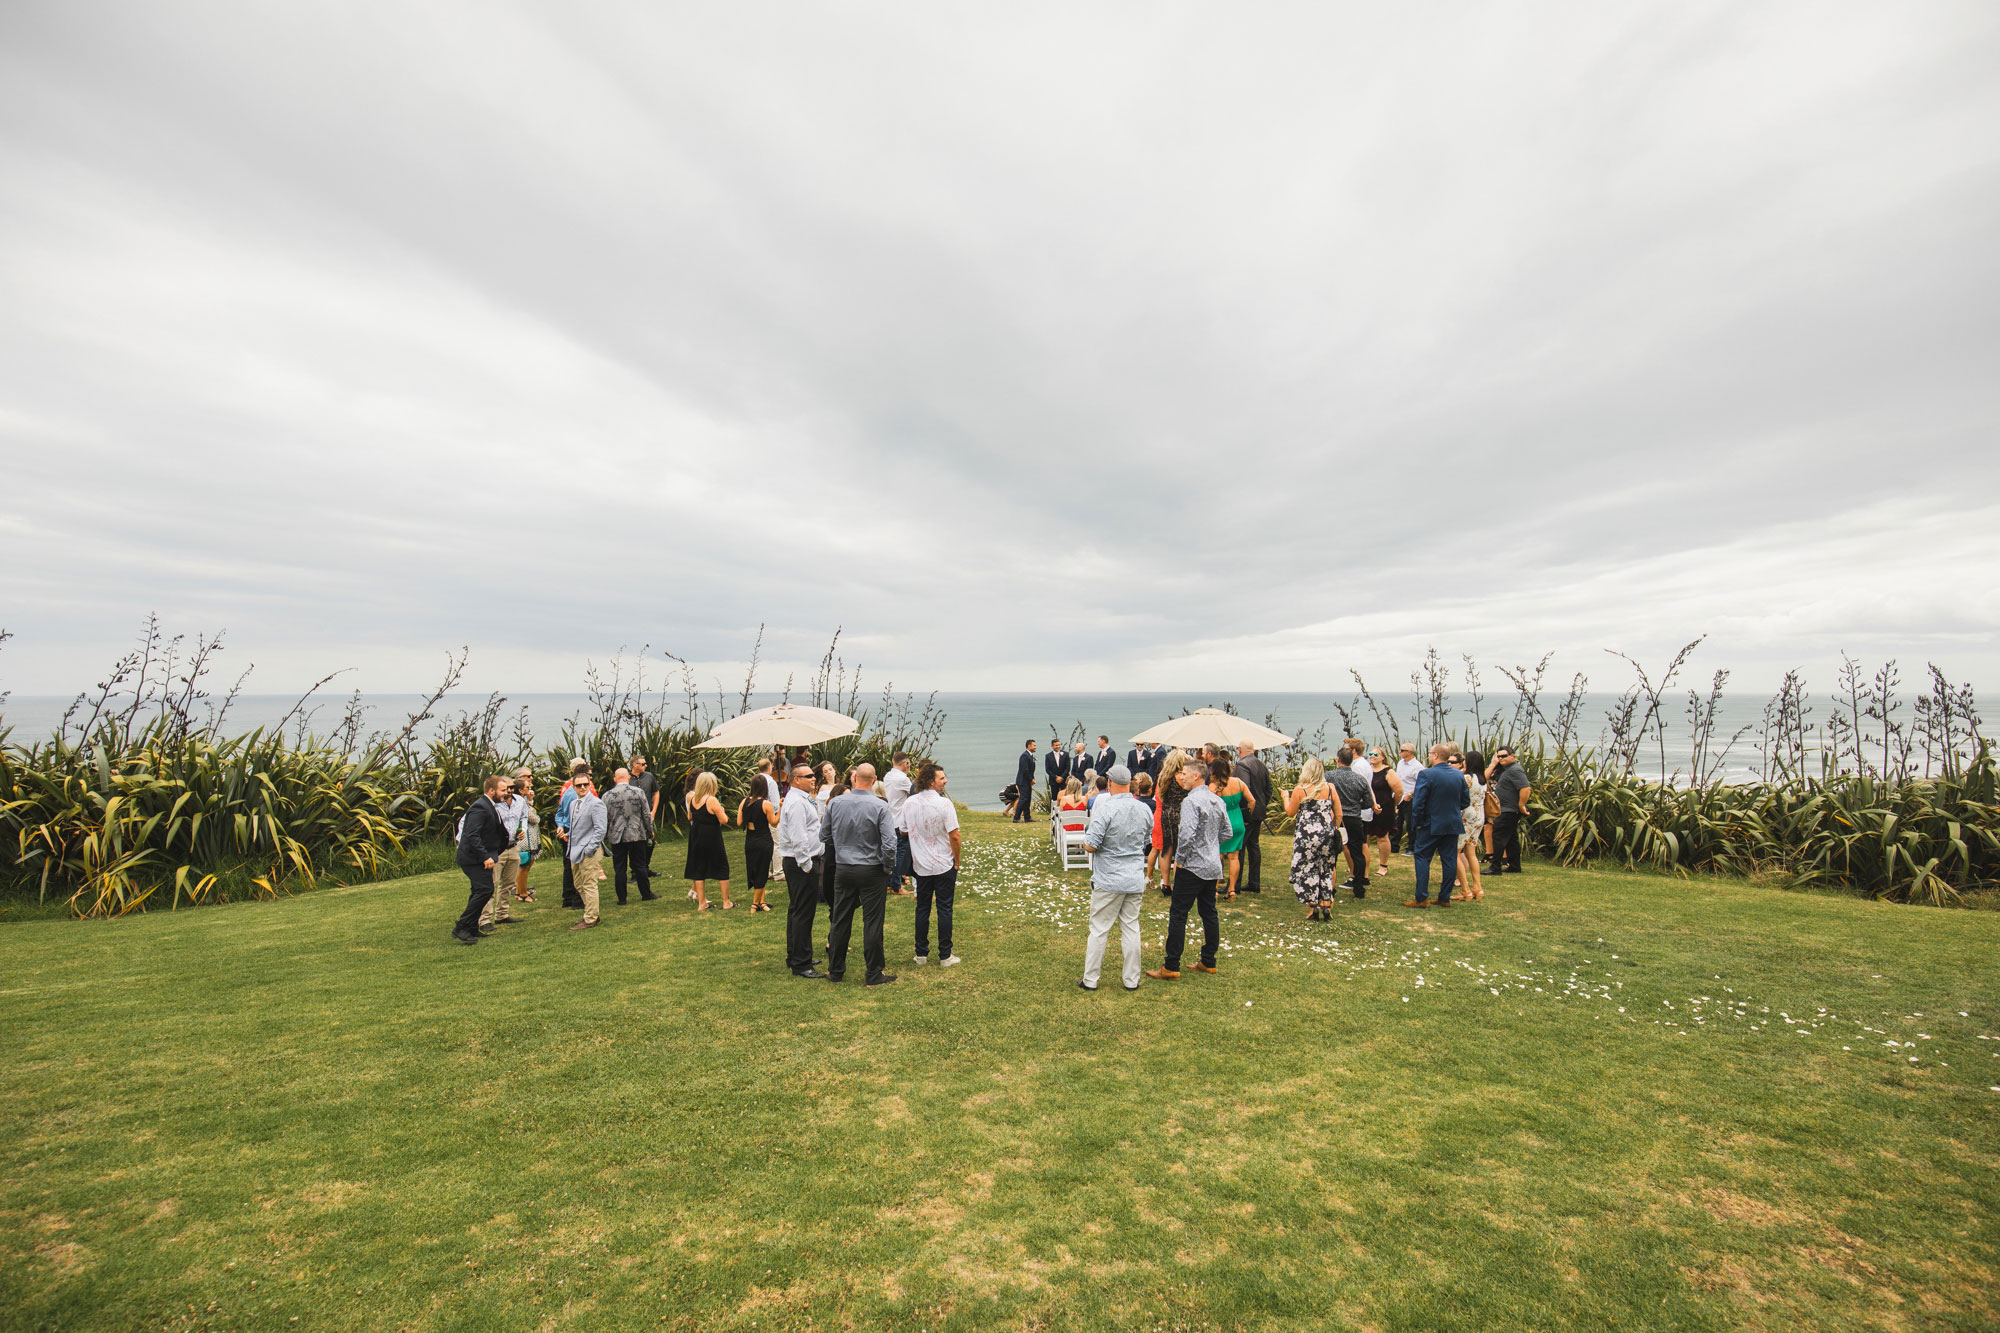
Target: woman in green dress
{"x": 1237, "y": 798}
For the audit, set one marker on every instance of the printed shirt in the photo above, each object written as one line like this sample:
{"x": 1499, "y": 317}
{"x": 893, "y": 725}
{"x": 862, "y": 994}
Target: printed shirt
{"x": 930, "y": 819}
{"x": 1204, "y": 826}
{"x": 798, "y": 828}
{"x": 896, "y": 790}
{"x": 1357, "y": 794}
{"x": 513, "y": 814}
{"x": 628, "y": 814}
{"x": 1119, "y": 835}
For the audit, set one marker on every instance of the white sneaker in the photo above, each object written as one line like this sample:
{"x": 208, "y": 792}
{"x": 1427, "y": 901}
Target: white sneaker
{"x": 948, "y": 962}
{"x": 921, "y": 959}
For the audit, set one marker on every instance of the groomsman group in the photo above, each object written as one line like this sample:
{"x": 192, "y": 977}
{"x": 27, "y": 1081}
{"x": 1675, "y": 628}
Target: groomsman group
{"x": 1060, "y": 765}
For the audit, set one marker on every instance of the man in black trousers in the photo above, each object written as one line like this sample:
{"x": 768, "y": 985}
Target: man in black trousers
{"x": 860, "y": 835}
{"x": 481, "y": 840}
{"x": 1024, "y": 785}
{"x": 1057, "y": 767}
{"x": 1508, "y": 782}
{"x": 1251, "y": 771}
{"x": 800, "y": 848}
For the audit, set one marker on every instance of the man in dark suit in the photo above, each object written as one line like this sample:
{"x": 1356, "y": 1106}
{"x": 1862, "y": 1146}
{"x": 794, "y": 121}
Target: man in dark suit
{"x": 481, "y": 840}
{"x": 1056, "y": 765}
{"x": 1024, "y": 784}
{"x": 1437, "y": 820}
{"x": 1251, "y": 771}
{"x": 1106, "y": 758}
{"x": 1135, "y": 759}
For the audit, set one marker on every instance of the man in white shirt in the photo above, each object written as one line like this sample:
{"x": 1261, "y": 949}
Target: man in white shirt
{"x": 514, "y": 818}
{"x": 1119, "y": 835}
{"x": 896, "y": 790}
{"x": 927, "y": 833}
{"x": 799, "y": 850}
{"x": 1361, "y": 766}
{"x": 1407, "y": 769}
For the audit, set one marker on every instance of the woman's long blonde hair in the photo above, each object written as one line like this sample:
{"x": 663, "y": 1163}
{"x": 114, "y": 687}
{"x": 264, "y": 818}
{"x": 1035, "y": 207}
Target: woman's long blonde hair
{"x": 704, "y": 787}
{"x": 1311, "y": 774}
{"x": 1172, "y": 764}
{"x": 1074, "y": 787}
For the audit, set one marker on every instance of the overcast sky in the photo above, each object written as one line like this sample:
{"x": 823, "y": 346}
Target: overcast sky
{"x": 1058, "y": 347}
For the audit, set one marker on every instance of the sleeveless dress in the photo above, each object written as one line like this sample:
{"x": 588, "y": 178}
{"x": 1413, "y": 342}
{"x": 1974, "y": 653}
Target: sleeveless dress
{"x": 1315, "y": 852}
{"x": 1385, "y": 798}
{"x": 707, "y": 858}
{"x": 1234, "y": 843}
{"x": 1167, "y": 828}
{"x": 757, "y": 842}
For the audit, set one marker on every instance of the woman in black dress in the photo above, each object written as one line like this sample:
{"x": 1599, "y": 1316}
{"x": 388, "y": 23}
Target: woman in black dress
{"x": 707, "y": 858}
{"x": 756, "y": 814}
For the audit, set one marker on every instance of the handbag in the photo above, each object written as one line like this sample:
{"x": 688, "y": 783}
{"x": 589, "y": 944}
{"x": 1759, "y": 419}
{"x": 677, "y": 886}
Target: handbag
{"x": 1492, "y": 804}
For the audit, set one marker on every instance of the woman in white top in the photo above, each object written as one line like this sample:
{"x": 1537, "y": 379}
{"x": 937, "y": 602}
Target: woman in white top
{"x": 1473, "y": 765}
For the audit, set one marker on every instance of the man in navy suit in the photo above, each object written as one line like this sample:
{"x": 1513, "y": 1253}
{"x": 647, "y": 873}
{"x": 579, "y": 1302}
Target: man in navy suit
{"x": 1140, "y": 760}
{"x": 1024, "y": 784}
{"x": 1057, "y": 767}
{"x": 1107, "y": 758}
{"x": 1437, "y": 821}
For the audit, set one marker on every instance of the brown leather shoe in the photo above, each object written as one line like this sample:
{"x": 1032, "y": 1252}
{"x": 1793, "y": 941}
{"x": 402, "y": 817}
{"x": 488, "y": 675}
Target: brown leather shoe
{"x": 1161, "y": 974}
{"x": 1203, "y": 967}
{"x": 586, "y": 925}
{"x": 1418, "y": 902}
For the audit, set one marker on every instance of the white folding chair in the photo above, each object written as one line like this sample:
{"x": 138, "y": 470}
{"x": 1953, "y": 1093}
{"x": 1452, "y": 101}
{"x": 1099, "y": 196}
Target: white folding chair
{"x": 1066, "y": 830}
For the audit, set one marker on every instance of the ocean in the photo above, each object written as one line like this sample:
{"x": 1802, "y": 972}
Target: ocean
{"x": 983, "y": 733}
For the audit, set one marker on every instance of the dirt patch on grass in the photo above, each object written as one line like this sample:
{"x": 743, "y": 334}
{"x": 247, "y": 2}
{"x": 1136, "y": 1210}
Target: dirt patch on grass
{"x": 332, "y": 1193}
{"x": 1729, "y": 1206}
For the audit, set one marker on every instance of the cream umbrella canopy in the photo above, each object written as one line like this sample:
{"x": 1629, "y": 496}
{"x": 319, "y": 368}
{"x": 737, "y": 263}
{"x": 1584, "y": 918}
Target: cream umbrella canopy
{"x": 781, "y": 724}
{"x": 1205, "y": 725}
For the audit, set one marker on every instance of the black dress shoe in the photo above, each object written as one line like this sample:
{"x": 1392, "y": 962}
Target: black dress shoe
{"x": 1251, "y": 888}
{"x": 831, "y": 977}
{"x": 649, "y": 897}
{"x": 810, "y": 974}
{"x": 1084, "y": 985}
{"x": 882, "y": 980}
{"x": 465, "y": 937}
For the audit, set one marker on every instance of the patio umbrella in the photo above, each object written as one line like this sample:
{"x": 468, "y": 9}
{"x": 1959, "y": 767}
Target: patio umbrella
{"x": 1211, "y": 724}
{"x": 783, "y": 724}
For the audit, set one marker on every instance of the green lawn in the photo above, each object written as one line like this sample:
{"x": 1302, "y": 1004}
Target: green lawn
{"x": 1593, "y": 1101}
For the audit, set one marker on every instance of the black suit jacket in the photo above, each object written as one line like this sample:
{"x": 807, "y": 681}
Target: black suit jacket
{"x": 484, "y": 836}
{"x": 1134, "y": 762}
{"x": 1258, "y": 779}
{"x": 1024, "y": 771}
{"x": 1103, "y": 760}
{"x": 1056, "y": 765}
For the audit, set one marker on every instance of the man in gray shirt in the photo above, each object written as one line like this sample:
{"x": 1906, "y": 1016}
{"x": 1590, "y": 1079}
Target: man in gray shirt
{"x": 1119, "y": 835}
{"x": 586, "y": 846}
{"x": 1357, "y": 800}
{"x": 1197, "y": 866}
{"x": 859, "y": 834}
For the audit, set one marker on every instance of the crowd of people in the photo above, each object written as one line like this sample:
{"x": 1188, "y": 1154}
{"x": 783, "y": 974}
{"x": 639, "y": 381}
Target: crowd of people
{"x": 1186, "y": 824}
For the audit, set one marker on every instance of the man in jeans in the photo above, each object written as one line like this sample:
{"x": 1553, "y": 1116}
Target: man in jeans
{"x": 1197, "y": 866}
{"x": 586, "y": 846}
{"x": 896, "y": 789}
{"x": 628, "y": 828}
{"x": 1119, "y": 835}
{"x": 861, "y": 838}
{"x": 1509, "y": 784}
{"x": 927, "y": 830}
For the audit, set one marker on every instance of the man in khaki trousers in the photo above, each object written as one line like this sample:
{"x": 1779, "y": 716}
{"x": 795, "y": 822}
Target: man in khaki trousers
{"x": 587, "y": 825}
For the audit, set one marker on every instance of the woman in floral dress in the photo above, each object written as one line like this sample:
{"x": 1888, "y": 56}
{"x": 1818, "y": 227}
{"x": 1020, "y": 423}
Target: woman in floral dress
{"x": 1315, "y": 810}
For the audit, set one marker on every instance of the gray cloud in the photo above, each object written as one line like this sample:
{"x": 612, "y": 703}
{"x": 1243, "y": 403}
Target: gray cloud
{"x": 1192, "y": 347}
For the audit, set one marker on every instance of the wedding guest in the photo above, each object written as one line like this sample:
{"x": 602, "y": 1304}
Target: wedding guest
{"x": 1407, "y": 769}
{"x": 1236, "y": 799}
{"x": 1473, "y": 765}
{"x": 531, "y": 847}
{"x": 1315, "y": 810}
{"x": 1024, "y": 784}
{"x": 801, "y": 850}
{"x": 861, "y": 838}
{"x": 570, "y": 898}
{"x": 1197, "y": 867}
{"x": 896, "y": 789}
{"x": 1510, "y": 785}
{"x": 829, "y": 778}
{"x": 514, "y": 810}
{"x": 1387, "y": 791}
{"x": 629, "y": 831}
{"x": 756, "y": 813}
{"x": 1102, "y": 762}
{"x": 482, "y": 840}
{"x": 830, "y": 786}
{"x": 770, "y": 782}
{"x": 928, "y": 826}
{"x": 1138, "y": 760}
{"x": 1438, "y": 810}
{"x": 1142, "y": 792}
{"x": 1254, "y": 775}
{"x": 1357, "y": 798}
{"x": 1057, "y": 767}
{"x": 707, "y": 857}
{"x": 1099, "y": 785}
{"x": 1167, "y": 826}
{"x": 586, "y": 846}
{"x": 1118, "y": 837}
{"x": 1072, "y": 796}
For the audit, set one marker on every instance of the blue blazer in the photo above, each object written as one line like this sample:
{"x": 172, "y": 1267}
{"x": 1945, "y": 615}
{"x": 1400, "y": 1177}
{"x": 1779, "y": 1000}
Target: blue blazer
{"x": 1056, "y": 765}
{"x": 1134, "y": 762}
{"x": 1103, "y": 761}
{"x": 1440, "y": 801}
{"x": 1024, "y": 771}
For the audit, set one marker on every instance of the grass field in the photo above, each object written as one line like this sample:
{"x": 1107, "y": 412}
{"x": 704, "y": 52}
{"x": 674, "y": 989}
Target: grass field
{"x": 1592, "y": 1101}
